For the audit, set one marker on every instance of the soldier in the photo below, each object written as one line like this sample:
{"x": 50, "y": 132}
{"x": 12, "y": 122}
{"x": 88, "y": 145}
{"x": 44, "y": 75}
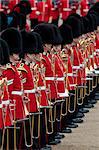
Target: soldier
{"x": 5, "y": 112}
{"x": 33, "y": 14}
{"x": 32, "y": 50}
{"x": 54, "y": 12}
{"x": 64, "y": 9}
{"x": 50, "y": 70}
{"x": 84, "y": 7}
{"x": 12, "y": 75}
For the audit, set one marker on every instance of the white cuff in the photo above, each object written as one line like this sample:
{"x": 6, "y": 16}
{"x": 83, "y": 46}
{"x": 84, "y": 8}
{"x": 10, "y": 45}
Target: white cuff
{"x": 5, "y": 102}
{"x": 1, "y": 105}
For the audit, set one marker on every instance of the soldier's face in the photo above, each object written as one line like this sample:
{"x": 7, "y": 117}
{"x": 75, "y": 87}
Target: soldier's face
{"x": 57, "y": 48}
{"x": 29, "y": 57}
{"x": 14, "y": 58}
{"x": 36, "y": 57}
{"x": 47, "y": 47}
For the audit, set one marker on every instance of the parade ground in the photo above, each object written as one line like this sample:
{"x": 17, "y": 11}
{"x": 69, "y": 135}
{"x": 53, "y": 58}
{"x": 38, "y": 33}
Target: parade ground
{"x": 86, "y": 136}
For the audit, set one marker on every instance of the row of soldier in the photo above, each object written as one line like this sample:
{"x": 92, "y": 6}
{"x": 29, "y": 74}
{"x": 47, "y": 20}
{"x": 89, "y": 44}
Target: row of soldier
{"x": 44, "y": 11}
{"x": 48, "y": 80}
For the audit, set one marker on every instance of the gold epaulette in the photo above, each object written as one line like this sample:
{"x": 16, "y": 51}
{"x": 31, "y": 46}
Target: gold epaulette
{"x": 8, "y": 66}
{"x": 43, "y": 59}
{"x": 21, "y": 67}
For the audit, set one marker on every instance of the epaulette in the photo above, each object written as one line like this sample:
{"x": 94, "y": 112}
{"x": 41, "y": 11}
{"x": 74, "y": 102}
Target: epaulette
{"x": 21, "y": 67}
{"x": 8, "y": 66}
{"x": 43, "y": 59}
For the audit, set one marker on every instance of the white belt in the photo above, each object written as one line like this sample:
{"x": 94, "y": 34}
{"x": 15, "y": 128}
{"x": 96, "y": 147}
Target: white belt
{"x": 73, "y": 7}
{"x": 71, "y": 85}
{"x": 9, "y": 82}
{"x": 66, "y": 9}
{"x": 70, "y": 74}
{"x": 17, "y": 93}
{"x": 76, "y": 67}
{"x": 30, "y": 91}
{"x": 5, "y": 102}
{"x": 33, "y": 8}
{"x": 60, "y": 78}
{"x": 85, "y": 10}
{"x": 50, "y": 78}
{"x": 41, "y": 88}
{"x": 65, "y": 94}
{"x": 0, "y": 105}
{"x": 53, "y": 9}
{"x": 81, "y": 65}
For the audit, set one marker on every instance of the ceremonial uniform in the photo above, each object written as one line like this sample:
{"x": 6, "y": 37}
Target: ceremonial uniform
{"x": 28, "y": 87}
{"x": 49, "y": 76}
{"x": 84, "y": 7}
{"x": 65, "y": 9}
{"x": 15, "y": 90}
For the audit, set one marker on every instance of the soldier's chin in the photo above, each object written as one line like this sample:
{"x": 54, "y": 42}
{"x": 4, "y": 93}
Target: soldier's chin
{"x": 17, "y": 61}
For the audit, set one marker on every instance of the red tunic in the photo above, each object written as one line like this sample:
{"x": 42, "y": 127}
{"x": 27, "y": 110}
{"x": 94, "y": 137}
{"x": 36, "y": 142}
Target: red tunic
{"x": 84, "y": 7}
{"x": 40, "y": 86}
{"x": 6, "y": 102}
{"x": 33, "y": 14}
{"x": 49, "y": 76}
{"x": 65, "y": 10}
{"x": 15, "y": 91}
{"x": 28, "y": 87}
{"x": 1, "y": 109}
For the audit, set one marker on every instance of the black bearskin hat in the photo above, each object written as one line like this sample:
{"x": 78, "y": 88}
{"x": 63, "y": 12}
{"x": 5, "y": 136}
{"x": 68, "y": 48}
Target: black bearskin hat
{"x": 4, "y": 52}
{"x": 29, "y": 42}
{"x": 76, "y": 26}
{"x": 85, "y": 24}
{"x": 39, "y": 43}
{"x": 66, "y": 33}
{"x": 57, "y": 36}
{"x": 14, "y": 40}
{"x": 46, "y": 32}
